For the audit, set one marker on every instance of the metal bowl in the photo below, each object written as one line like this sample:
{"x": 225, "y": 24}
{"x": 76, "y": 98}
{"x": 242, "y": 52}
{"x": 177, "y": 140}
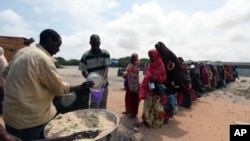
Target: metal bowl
{"x": 109, "y": 136}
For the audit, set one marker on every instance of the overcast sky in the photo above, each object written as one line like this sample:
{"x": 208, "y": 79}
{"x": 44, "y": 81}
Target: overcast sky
{"x": 216, "y": 30}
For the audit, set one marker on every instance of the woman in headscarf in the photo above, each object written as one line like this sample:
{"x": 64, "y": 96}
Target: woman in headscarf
{"x": 153, "y": 111}
{"x": 174, "y": 67}
{"x": 176, "y": 82}
{"x": 3, "y": 64}
{"x": 132, "y": 86}
{"x": 228, "y": 73}
{"x": 204, "y": 75}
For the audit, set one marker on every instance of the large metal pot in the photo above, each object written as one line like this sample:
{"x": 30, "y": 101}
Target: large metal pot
{"x": 110, "y": 136}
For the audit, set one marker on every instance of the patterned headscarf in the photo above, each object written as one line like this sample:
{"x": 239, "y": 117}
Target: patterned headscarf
{"x": 136, "y": 57}
{"x": 133, "y": 71}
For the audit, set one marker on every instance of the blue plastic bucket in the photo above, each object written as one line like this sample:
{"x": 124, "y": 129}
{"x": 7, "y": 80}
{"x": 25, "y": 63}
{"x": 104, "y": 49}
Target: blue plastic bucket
{"x": 96, "y": 95}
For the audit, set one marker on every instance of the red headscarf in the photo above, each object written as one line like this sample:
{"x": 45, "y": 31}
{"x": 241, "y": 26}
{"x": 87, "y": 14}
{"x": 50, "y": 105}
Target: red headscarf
{"x": 154, "y": 70}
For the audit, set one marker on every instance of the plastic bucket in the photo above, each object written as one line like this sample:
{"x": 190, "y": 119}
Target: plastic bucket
{"x": 96, "y": 95}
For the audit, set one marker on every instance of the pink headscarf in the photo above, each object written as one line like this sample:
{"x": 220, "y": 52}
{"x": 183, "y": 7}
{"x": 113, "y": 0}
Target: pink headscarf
{"x": 154, "y": 70}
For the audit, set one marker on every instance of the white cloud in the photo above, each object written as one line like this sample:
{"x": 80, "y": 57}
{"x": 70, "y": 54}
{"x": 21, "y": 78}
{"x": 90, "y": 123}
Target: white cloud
{"x": 199, "y": 36}
{"x": 13, "y": 24}
{"x": 12, "y": 18}
{"x": 80, "y": 13}
{"x": 209, "y": 34}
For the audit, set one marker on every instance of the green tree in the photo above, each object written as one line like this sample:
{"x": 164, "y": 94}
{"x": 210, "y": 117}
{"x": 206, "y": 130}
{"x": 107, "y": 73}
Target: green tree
{"x": 123, "y": 62}
{"x": 144, "y": 61}
{"x": 73, "y": 62}
{"x": 61, "y": 61}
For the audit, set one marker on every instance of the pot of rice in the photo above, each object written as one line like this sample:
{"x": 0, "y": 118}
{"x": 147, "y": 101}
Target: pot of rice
{"x": 83, "y": 125}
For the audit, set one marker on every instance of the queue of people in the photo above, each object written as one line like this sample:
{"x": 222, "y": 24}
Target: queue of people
{"x": 169, "y": 82}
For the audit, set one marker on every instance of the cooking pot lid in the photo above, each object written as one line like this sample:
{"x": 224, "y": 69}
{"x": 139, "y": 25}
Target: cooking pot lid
{"x": 97, "y": 79}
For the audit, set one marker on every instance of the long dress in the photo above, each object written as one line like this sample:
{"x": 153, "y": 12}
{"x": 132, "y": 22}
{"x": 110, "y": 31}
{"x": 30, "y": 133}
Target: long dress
{"x": 153, "y": 110}
{"x": 176, "y": 79}
{"x": 132, "y": 87}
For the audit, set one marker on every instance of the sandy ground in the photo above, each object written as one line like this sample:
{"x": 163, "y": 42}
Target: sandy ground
{"x": 208, "y": 119}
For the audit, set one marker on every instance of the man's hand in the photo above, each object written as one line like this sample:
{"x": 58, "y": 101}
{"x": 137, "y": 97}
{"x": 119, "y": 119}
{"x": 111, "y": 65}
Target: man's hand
{"x": 84, "y": 86}
{"x": 87, "y": 84}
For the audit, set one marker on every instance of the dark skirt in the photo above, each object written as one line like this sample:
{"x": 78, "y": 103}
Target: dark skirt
{"x": 131, "y": 101}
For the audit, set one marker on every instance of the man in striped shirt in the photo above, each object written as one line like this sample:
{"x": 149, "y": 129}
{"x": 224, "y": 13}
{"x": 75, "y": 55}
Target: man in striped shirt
{"x": 96, "y": 60}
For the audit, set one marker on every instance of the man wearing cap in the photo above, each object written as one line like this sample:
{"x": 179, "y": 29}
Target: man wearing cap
{"x": 96, "y": 60}
{"x": 32, "y": 81}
